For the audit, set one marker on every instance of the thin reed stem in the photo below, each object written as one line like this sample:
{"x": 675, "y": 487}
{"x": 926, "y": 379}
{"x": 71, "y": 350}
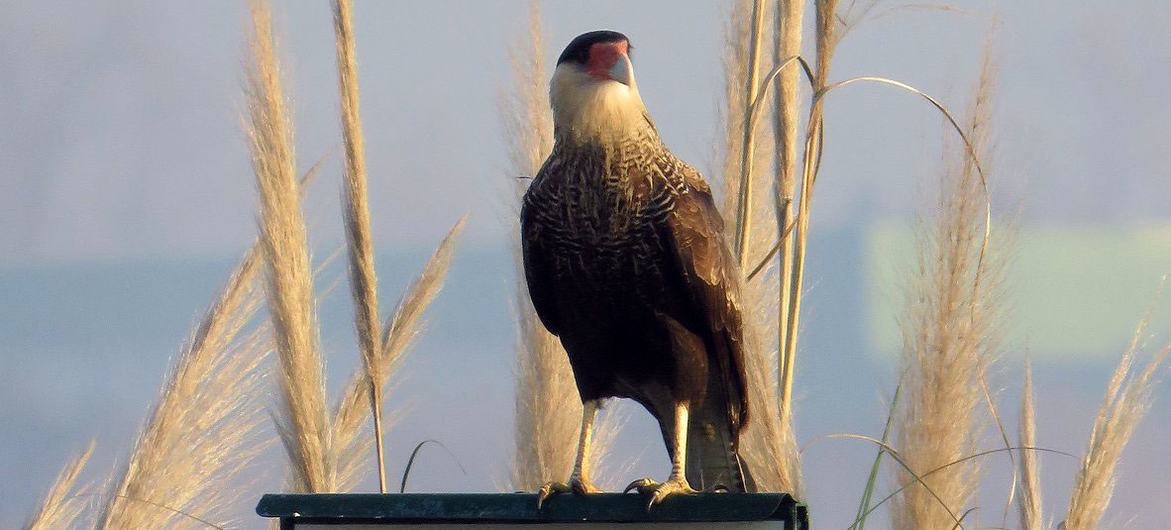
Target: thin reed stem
{"x": 787, "y": 43}
{"x": 399, "y": 334}
{"x": 748, "y": 143}
{"x": 826, "y": 11}
{"x": 769, "y": 448}
{"x": 363, "y": 280}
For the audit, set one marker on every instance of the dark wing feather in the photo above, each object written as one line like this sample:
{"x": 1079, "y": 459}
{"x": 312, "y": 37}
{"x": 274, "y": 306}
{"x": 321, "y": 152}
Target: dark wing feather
{"x": 538, "y": 270}
{"x": 695, "y": 234}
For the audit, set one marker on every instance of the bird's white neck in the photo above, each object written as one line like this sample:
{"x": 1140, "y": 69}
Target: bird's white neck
{"x": 586, "y": 109}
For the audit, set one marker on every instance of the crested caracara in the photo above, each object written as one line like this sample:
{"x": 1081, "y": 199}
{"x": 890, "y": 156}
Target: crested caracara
{"x": 627, "y": 263}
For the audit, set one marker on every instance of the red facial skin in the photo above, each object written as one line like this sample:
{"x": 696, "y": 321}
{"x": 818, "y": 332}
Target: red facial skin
{"x": 603, "y": 55}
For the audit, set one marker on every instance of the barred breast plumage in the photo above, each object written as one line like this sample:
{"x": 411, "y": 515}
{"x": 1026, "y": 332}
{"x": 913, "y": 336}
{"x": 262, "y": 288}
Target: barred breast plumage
{"x": 603, "y": 237}
{"x": 599, "y": 210}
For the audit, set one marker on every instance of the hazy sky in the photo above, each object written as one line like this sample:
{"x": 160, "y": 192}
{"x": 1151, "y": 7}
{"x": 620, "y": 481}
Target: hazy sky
{"x": 122, "y": 136}
{"x": 125, "y": 192}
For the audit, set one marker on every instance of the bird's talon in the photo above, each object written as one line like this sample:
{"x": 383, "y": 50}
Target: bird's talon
{"x": 643, "y": 485}
{"x": 673, "y": 486}
{"x": 548, "y": 490}
{"x": 575, "y": 486}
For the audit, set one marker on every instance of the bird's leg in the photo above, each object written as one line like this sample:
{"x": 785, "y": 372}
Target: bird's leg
{"x": 677, "y": 482}
{"x": 579, "y": 483}
{"x": 579, "y": 479}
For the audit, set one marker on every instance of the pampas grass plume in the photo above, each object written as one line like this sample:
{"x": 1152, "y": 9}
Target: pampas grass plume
{"x": 302, "y": 421}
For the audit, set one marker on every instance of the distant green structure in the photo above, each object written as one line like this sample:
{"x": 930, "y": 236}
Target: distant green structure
{"x": 1073, "y": 294}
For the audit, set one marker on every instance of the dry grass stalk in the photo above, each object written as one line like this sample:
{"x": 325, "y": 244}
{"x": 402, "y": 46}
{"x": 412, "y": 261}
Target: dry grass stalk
{"x": 352, "y": 410}
{"x": 1128, "y": 398}
{"x": 737, "y": 59}
{"x": 363, "y": 280}
{"x": 786, "y": 43}
{"x": 744, "y": 203}
{"x": 826, "y": 40}
{"x": 1029, "y": 502}
{"x": 828, "y": 37}
{"x": 63, "y": 503}
{"x": 768, "y": 447}
{"x": 760, "y": 297}
{"x": 205, "y": 428}
{"x": 950, "y": 333}
{"x": 302, "y": 420}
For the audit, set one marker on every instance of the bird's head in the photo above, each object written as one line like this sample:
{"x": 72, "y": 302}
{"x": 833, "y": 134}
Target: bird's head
{"x": 593, "y": 92}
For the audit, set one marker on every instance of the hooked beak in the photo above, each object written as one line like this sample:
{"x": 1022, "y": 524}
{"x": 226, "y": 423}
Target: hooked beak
{"x": 622, "y": 71}
{"x": 611, "y": 61}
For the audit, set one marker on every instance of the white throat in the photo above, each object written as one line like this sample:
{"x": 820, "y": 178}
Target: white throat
{"x": 585, "y": 108}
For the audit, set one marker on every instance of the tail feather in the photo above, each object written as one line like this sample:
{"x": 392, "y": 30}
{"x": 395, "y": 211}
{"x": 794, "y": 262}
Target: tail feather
{"x": 713, "y": 460}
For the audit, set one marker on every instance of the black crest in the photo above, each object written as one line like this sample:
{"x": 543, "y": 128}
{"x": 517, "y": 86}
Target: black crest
{"x": 578, "y": 50}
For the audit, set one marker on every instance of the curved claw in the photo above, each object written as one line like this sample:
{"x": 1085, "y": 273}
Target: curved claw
{"x": 548, "y": 489}
{"x": 673, "y": 486}
{"x": 575, "y": 486}
{"x": 643, "y": 485}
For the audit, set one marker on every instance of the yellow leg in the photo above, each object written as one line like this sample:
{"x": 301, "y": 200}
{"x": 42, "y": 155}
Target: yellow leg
{"x": 579, "y": 483}
{"x": 676, "y": 484}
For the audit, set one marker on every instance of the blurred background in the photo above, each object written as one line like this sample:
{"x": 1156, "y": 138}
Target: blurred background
{"x": 126, "y": 196}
